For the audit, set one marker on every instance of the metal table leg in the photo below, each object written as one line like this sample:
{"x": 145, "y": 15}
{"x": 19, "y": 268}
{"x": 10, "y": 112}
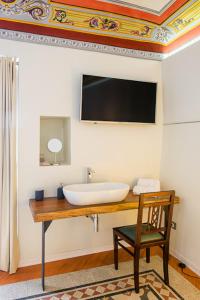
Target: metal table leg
{"x": 45, "y": 226}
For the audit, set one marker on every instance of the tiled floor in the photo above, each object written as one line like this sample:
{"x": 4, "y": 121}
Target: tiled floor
{"x": 27, "y": 288}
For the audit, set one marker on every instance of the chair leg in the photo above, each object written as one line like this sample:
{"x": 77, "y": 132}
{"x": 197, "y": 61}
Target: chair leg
{"x": 148, "y": 255}
{"x": 115, "y": 239}
{"x": 136, "y": 269}
{"x": 165, "y": 263}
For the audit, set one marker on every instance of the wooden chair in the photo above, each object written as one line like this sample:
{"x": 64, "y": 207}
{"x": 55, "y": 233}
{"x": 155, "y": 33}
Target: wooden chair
{"x": 154, "y": 232}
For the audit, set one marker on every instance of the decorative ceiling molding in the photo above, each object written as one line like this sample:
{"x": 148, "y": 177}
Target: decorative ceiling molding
{"x": 66, "y": 43}
{"x": 69, "y": 22}
{"x": 142, "y": 14}
{"x": 149, "y": 9}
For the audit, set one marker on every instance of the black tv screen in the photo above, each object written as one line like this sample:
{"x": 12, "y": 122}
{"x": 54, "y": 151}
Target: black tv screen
{"x": 117, "y": 100}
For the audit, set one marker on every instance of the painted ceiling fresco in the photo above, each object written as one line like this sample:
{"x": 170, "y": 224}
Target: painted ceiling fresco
{"x": 129, "y": 24}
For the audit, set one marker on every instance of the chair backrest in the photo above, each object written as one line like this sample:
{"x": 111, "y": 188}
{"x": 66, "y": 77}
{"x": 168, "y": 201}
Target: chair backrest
{"x": 159, "y": 217}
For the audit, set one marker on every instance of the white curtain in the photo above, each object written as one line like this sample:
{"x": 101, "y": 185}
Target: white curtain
{"x": 9, "y": 248}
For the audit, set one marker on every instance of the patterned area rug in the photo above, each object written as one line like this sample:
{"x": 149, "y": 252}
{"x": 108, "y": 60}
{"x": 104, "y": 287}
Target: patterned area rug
{"x": 152, "y": 287}
{"x": 105, "y": 283}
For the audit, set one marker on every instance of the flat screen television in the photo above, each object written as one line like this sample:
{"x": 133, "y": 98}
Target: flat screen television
{"x": 107, "y": 99}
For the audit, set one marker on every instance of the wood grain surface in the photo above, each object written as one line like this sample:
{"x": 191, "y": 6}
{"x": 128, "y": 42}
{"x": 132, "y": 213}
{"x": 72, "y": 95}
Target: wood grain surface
{"x": 53, "y": 209}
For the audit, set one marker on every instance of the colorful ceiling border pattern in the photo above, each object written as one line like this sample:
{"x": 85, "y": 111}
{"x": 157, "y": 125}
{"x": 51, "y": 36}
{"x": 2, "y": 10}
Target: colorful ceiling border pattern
{"x": 93, "y": 26}
{"x": 141, "y": 14}
{"x": 74, "y": 44}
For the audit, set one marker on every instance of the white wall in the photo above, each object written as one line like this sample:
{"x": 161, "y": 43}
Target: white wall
{"x": 181, "y": 149}
{"x": 50, "y": 84}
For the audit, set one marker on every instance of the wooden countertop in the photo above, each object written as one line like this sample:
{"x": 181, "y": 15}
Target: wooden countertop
{"x": 53, "y": 209}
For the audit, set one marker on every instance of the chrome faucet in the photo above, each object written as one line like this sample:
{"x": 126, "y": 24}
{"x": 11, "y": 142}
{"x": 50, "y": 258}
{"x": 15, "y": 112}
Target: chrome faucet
{"x": 90, "y": 173}
{"x": 94, "y": 218}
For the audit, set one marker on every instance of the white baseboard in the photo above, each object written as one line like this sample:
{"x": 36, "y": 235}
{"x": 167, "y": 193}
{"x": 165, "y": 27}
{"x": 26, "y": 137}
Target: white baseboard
{"x": 81, "y": 252}
{"x": 185, "y": 260}
{"x": 64, "y": 255}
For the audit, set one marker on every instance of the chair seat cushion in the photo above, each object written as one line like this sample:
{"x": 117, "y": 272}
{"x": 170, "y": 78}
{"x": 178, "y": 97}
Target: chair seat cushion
{"x": 130, "y": 232}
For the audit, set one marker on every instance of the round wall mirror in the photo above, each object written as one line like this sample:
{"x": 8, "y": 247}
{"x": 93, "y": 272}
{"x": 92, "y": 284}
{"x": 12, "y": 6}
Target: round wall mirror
{"x": 54, "y": 145}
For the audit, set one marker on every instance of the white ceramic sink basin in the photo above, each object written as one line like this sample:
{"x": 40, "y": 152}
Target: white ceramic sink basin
{"x": 95, "y": 193}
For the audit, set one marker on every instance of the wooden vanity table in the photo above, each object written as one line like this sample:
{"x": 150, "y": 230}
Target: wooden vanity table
{"x": 53, "y": 209}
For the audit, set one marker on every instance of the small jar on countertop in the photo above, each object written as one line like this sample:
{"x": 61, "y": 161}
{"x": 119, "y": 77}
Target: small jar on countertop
{"x": 39, "y": 194}
{"x": 60, "y": 194}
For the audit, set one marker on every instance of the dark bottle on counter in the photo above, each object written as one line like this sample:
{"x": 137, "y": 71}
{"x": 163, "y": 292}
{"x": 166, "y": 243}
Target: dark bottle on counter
{"x": 39, "y": 195}
{"x": 60, "y": 194}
